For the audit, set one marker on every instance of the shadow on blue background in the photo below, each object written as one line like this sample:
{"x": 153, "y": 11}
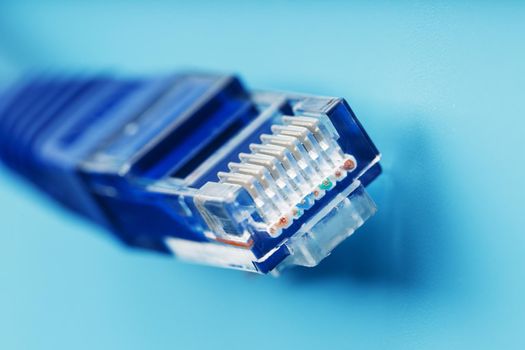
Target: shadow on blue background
{"x": 405, "y": 239}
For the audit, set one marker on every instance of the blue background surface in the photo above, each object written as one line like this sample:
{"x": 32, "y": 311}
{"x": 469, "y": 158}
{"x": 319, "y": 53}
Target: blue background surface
{"x": 440, "y": 88}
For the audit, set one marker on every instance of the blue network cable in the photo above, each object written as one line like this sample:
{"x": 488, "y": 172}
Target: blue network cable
{"x": 195, "y": 165}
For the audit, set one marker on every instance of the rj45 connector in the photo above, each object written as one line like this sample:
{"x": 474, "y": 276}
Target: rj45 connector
{"x": 195, "y": 165}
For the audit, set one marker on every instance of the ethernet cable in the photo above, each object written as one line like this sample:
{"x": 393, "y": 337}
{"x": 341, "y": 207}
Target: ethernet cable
{"x": 195, "y": 165}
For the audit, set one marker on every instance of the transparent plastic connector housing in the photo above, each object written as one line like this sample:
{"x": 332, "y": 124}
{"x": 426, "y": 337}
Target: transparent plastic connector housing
{"x": 195, "y": 165}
